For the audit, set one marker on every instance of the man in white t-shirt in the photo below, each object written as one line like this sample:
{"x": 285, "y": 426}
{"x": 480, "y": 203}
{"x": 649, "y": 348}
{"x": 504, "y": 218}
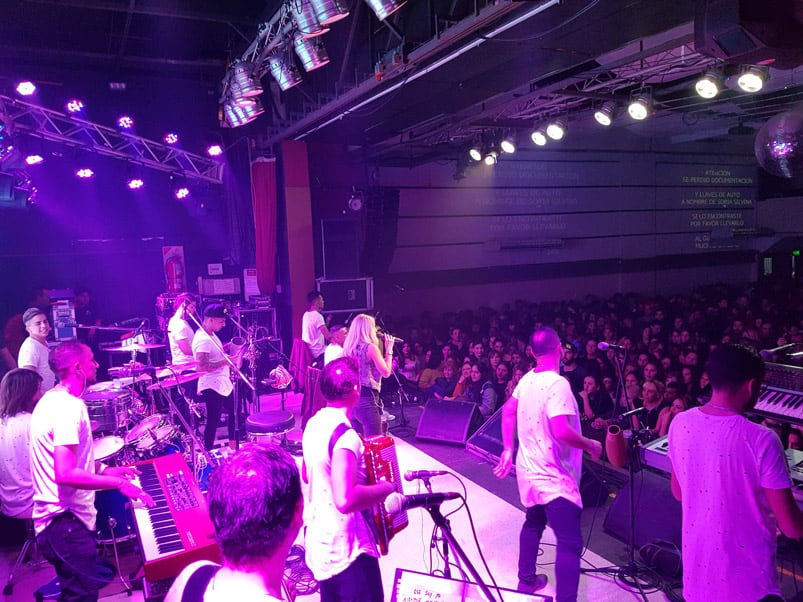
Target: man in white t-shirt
{"x": 313, "y": 328}
{"x": 334, "y": 349}
{"x": 731, "y": 477}
{"x": 179, "y": 331}
{"x": 548, "y": 465}
{"x": 34, "y": 352}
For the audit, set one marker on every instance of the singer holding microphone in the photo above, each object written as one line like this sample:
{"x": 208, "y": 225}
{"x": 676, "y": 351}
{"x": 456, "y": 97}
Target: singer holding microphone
{"x": 362, "y": 344}
{"x": 341, "y": 547}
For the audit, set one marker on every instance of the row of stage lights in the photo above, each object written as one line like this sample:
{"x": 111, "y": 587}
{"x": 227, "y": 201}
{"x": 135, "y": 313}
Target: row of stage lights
{"x": 750, "y": 79}
{"x": 307, "y": 21}
{"x": 135, "y": 180}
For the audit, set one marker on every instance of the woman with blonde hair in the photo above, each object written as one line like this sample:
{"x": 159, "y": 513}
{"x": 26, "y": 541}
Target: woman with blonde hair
{"x": 362, "y": 344}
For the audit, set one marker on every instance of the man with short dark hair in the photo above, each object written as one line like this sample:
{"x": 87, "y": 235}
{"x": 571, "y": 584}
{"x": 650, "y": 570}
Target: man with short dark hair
{"x": 731, "y": 477}
{"x": 65, "y": 475}
{"x": 313, "y": 328}
{"x": 548, "y": 465}
{"x": 256, "y": 508}
{"x": 34, "y": 352}
{"x": 334, "y": 349}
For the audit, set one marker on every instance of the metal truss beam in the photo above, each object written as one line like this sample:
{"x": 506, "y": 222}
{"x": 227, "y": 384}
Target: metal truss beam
{"x": 59, "y": 127}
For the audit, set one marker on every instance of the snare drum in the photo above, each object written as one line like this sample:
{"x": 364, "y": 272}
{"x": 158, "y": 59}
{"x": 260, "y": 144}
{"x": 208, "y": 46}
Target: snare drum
{"x": 110, "y": 408}
{"x": 115, "y": 521}
{"x": 144, "y": 427}
{"x": 161, "y": 441}
{"x": 106, "y": 447}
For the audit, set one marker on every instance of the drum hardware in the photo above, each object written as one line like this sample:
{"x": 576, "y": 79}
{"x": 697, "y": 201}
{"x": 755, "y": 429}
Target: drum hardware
{"x": 114, "y": 511}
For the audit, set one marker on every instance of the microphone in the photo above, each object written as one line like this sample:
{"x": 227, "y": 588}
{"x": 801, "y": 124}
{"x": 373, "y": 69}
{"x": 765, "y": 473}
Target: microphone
{"x": 604, "y": 346}
{"x": 396, "y": 502}
{"x": 766, "y": 354}
{"x": 412, "y": 475}
{"x": 391, "y": 337}
{"x": 131, "y": 322}
{"x": 632, "y": 412}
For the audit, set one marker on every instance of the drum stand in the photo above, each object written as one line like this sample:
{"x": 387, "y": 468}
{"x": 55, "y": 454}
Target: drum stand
{"x": 112, "y": 525}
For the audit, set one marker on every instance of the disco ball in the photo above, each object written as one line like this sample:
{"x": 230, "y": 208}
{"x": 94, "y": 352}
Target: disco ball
{"x": 779, "y": 144}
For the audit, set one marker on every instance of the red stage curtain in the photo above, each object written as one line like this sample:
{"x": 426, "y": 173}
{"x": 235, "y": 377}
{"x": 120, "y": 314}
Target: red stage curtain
{"x": 263, "y": 182}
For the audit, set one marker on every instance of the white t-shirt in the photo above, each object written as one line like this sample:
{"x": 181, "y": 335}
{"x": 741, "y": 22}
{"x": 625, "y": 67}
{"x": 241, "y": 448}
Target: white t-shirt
{"x": 723, "y": 463}
{"x": 60, "y": 419}
{"x": 220, "y": 589}
{"x": 333, "y": 540}
{"x": 36, "y": 354}
{"x": 311, "y": 332}
{"x": 218, "y": 380}
{"x": 546, "y": 469}
{"x": 332, "y": 352}
{"x": 179, "y": 330}
{"x": 15, "y": 466}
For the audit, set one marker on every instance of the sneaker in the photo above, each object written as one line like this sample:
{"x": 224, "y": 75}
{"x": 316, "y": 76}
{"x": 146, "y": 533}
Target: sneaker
{"x": 531, "y": 588}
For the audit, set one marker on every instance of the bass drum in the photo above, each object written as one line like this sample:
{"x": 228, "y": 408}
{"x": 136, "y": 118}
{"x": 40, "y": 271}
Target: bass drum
{"x": 115, "y": 521}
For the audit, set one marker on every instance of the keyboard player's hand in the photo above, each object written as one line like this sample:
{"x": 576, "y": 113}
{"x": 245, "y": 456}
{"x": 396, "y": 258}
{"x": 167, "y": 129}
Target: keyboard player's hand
{"x": 130, "y": 490}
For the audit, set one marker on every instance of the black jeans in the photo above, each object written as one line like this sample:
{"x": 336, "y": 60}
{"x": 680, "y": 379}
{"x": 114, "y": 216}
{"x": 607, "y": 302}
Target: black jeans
{"x": 71, "y": 548}
{"x": 360, "y": 582}
{"x": 215, "y": 403}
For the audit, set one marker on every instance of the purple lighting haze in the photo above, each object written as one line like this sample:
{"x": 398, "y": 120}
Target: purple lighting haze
{"x": 74, "y": 106}
{"x": 170, "y": 138}
{"x": 214, "y": 150}
{"x": 33, "y": 159}
{"x": 26, "y": 88}
{"x": 84, "y": 173}
{"x": 126, "y": 122}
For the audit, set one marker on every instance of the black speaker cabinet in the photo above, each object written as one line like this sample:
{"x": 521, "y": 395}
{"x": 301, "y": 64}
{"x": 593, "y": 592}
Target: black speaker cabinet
{"x": 658, "y": 513}
{"x": 487, "y": 441}
{"x": 448, "y": 421}
{"x": 340, "y": 240}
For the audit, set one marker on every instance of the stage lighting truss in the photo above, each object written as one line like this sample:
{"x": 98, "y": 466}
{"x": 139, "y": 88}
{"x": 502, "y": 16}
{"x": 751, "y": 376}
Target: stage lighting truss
{"x": 752, "y": 78}
{"x": 640, "y": 106}
{"x": 606, "y": 113}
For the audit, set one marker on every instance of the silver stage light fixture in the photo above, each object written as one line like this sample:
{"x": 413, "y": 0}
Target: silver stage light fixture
{"x": 384, "y": 8}
{"x": 311, "y": 52}
{"x": 329, "y": 11}
{"x": 306, "y": 20}
{"x": 283, "y": 70}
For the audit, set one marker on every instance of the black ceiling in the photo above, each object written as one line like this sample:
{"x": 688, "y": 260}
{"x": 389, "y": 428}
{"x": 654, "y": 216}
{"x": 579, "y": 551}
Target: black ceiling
{"x": 463, "y": 68}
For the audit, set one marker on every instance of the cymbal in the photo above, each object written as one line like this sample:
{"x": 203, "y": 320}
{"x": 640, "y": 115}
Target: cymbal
{"x": 135, "y": 347}
{"x": 172, "y": 381}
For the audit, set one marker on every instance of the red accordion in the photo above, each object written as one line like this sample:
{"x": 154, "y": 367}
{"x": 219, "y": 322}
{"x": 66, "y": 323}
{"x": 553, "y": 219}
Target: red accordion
{"x": 382, "y": 464}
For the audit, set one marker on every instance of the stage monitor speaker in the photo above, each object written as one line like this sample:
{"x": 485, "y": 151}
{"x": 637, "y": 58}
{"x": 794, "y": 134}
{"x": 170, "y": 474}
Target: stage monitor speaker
{"x": 448, "y": 421}
{"x": 658, "y": 514}
{"x": 749, "y": 32}
{"x": 340, "y": 241}
{"x": 487, "y": 441}
{"x": 347, "y": 295}
{"x": 412, "y": 585}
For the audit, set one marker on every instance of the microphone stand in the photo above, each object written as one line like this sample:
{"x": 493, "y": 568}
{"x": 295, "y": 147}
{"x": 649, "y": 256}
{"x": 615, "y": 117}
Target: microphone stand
{"x": 251, "y": 353}
{"x": 403, "y": 427}
{"x": 236, "y": 371}
{"x": 443, "y": 524}
{"x": 447, "y": 571}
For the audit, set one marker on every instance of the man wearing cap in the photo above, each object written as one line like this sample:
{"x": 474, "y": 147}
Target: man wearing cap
{"x": 34, "y": 352}
{"x": 214, "y": 386}
{"x": 548, "y": 465}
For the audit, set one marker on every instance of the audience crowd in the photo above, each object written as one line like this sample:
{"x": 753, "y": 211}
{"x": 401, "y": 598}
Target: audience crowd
{"x": 480, "y": 355}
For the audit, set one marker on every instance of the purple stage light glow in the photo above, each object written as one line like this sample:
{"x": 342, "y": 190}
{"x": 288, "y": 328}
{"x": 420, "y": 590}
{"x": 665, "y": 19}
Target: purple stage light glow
{"x": 84, "y": 173}
{"x": 214, "y": 150}
{"x": 136, "y": 183}
{"x": 170, "y": 138}
{"x": 74, "y": 106}
{"x": 25, "y": 88}
{"x": 182, "y": 193}
{"x": 126, "y": 122}
{"x": 34, "y": 159}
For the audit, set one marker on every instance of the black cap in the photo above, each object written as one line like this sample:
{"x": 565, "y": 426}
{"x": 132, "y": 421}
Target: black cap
{"x": 216, "y": 310}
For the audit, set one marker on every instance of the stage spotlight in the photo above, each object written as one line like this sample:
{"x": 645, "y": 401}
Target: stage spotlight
{"x": 538, "y": 137}
{"x": 283, "y": 70}
{"x": 25, "y": 88}
{"x": 182, "y": 192}
{"x": 605, "y": 114}
{"x": 508, "y": 144}
{"x": 708, "y": 85}
{"x": 214, "y": 150}
{"x": 170, "y": 138}
{"x": 244, "y": 86}
{"x": 490, "y": 158}
{"x": 84, "y": 173}
{"x": 475, "y": 153}
{"x": 557, "y": 129}
{"x": 306, "y": 19}
{"x": 135, "y": 183}
{"x": 34, "y": 159}
{"x": 752, "y": 78}
{"x": 74, "y": 106}
{"x": 640, "y": 106}
{"x": 311, "y": 52}
{"x": 329, "y": 11}
{"x": 384, "y": 8}
{"x": 125, "y": 122}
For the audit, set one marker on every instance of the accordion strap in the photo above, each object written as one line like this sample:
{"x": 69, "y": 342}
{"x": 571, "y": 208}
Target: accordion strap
{"x": 340, "y": 430}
